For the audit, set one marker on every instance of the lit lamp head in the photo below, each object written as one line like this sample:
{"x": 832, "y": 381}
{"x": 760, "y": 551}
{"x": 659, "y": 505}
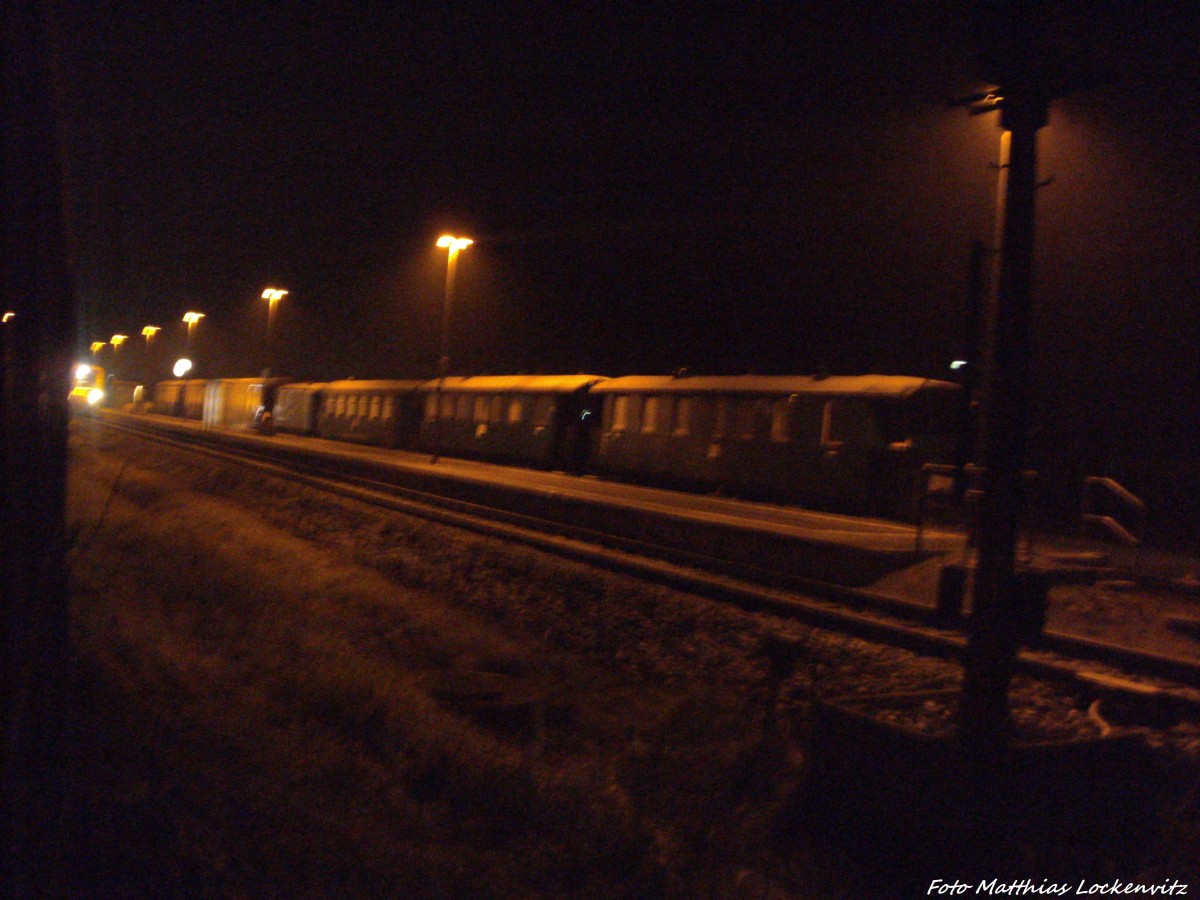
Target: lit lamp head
{"x": 118, "y": 339}
{"x": 192, "y": 318}
{"x": 454, "y": 244}
{"x": 273, "y": 294}
{"x": 150, "y": 331}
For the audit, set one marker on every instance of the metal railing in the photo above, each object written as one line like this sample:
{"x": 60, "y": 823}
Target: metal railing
{"x": 1128, "y": 525}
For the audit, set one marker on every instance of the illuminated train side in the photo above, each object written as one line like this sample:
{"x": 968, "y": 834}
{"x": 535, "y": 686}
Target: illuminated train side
{"x": 849, "y": 443}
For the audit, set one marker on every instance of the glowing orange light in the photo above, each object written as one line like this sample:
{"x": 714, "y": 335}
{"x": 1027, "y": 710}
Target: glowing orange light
{"x": 454, "y": 244}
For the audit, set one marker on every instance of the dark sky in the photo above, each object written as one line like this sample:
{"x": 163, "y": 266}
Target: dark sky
{"x": 769, "y": 186}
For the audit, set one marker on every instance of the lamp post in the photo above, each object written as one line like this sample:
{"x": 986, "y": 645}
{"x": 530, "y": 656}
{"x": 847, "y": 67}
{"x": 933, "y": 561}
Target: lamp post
{"x": 452, "y": 245}
{"x": 117, "y": 340}
{"x": 272, "y": 296}
{"x": 1030, "y": 57}
{"x": 192, "y": 319}
{"x": 148, "y": 333}
{"x": 97, "y": 346}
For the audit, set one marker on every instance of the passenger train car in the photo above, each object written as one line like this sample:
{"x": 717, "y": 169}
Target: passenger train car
{"x": 851, "y": 443}
{"x": 530, "y": 420}
{"x": 125, "y": 395}
{"x": 384, "y": 413}
{"x": 238, "y": 402}
{"x": 298, "y": 406}
{"x": 182, "y": 398}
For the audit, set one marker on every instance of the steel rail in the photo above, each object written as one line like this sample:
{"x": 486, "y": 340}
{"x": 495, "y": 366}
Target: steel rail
{"x": 864, "y": 614}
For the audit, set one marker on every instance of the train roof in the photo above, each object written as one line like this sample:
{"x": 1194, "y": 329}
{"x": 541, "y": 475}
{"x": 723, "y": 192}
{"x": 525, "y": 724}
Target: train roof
{"x": 517, "y": 384}
{"x": 900, "y": 386}
{"x": 356, "y": 385}
{"x": 274, "y": 379}
{"x": 303, "y": 386}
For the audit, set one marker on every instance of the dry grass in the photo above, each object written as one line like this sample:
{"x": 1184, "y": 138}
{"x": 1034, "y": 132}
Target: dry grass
{"x": 450, "y": 719}
{"x": 294, "y": 695}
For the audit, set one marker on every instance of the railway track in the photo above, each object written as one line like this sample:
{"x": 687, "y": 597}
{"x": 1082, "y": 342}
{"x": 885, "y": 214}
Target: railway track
{"x": 1164, "y": 685}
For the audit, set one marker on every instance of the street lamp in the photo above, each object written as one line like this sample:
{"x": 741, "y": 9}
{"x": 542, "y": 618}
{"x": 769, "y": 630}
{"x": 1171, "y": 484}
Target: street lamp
{"x": 117, "y": 340}
{"x": 191, "y": 318}
{"x": 97, "y": 346}
{"x": 6, "y": 317}
{"x": 148, "y": 333}
{"x": 452, "y": 245}
{"x": 272, "y": 296}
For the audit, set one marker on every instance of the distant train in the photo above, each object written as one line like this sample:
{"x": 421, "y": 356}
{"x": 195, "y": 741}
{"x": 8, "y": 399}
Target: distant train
{"x": 87, "y": 388}
{"x": 850, "y": 443}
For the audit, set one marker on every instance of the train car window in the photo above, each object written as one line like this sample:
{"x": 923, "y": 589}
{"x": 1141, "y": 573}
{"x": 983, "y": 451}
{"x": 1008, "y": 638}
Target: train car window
{"x": 651, "y": 410}
{"x": 721, "y": 420}
{"x": 430, "y": 407}
{"x": 752, "y": 417}
{"x": 833, "y": 425}
{"x": 481, "y": 409}
{"x": 620, "y": 414}
{"x": 781, "y": 421}
{"x": 462, "y": 408}
{"x": 684, "y": 409}
{"x": 340, "y": 409}
{"x": 387, "y": 409}
{"x": 516, "y": 410}
{"x": 859, "y": 423}
{"x": 827, "y": 438}
{"x": 447, "y": 406}
{"x": 497, "y": 410}
{"x": 666, "y": 415}
{"x": 927, "y": 413}
{"x": 543, "y": 412}
{"x": 375, "y": 404}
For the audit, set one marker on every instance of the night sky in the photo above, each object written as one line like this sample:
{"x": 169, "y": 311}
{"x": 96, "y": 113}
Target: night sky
{"x": 776, "y": 187}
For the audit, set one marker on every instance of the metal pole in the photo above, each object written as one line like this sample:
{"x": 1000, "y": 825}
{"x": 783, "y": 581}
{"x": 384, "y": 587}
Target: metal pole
{"x": 444, "y": 349}
{"x": 964, "y": 452}
{"x": 999, "y": 624}
{"x": 270, "y": 317}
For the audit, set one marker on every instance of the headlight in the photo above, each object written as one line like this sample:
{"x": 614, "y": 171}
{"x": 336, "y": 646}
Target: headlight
{"x": 94, "y": 396}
